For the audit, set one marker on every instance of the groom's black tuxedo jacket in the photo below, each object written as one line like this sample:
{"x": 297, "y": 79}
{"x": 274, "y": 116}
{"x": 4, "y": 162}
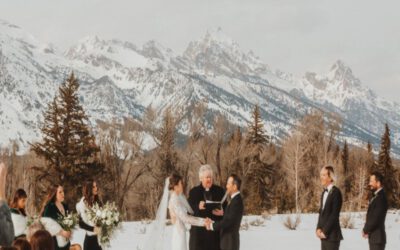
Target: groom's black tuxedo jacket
{"x": 328, "y": 220}
{"x": 376, "y": 215}
{"x": 229, "y": 226}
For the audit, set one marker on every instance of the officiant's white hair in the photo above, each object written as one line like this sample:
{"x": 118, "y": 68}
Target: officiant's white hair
{"x": 205, "y": 169}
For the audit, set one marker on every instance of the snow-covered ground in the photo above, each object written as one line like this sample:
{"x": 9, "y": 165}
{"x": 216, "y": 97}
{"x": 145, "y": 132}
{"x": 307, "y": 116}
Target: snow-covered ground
{"x": 271, "y": 235}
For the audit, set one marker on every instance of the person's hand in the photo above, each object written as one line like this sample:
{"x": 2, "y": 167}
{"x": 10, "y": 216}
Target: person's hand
{"x": 317, "y": 233}
{"x": 207, "y": 223}
{"x": 218, "y": 212}
{"x": 65, "y": 234}
{"x": 322, "y": 235}
{"x": 202, "y": 205}
{"x": 364, "y": 235}
{"x": 96, "y": 230}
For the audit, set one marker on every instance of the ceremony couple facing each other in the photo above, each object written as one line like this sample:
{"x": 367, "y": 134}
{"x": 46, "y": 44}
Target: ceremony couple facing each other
{"x": 328, "y": 226}
{"x": 181, "y": 214}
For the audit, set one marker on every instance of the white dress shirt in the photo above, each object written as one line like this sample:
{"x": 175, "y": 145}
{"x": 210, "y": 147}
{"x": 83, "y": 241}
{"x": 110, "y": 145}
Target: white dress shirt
{"x": 329, "y": 188}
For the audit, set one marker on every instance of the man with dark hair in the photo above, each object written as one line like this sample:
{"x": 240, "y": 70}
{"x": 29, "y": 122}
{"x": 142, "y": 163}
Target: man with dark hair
{"x": 374, "y": 229}
{"x": 328, "y": 227}
{"x": 230, "y": 224}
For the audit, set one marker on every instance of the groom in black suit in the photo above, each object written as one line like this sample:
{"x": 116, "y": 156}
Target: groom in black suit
{"x": 230, "y": 224}
{"x": 374, "y": 229}
{"x": 328, "y": 227}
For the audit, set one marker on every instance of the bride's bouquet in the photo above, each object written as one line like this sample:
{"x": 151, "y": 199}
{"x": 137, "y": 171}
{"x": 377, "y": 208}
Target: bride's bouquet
{"x": 107, "y": 218}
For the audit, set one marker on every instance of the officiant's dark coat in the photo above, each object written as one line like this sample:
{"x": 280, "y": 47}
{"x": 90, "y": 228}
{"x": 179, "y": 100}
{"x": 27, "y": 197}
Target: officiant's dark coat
{"x": 200, "y": 238}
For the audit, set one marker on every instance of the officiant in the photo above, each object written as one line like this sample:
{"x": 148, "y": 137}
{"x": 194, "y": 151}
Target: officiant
{"x": 205, "y": 200}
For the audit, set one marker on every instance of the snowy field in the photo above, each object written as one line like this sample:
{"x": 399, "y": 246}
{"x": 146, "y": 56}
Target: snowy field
{"x": 271, "y": 235}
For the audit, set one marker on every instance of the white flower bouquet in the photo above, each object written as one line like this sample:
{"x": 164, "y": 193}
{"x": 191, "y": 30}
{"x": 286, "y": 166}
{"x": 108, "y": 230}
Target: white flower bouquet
{"x": 107, "y": 218}
{"x": 69, "y": 221}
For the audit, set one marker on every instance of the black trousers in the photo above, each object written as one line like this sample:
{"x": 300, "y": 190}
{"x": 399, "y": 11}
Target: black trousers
{"x": 201, "y": 239}
{"x": 91, "y": 243}
{"x": 377, "y": 246}
{"x": 330, "y": 245}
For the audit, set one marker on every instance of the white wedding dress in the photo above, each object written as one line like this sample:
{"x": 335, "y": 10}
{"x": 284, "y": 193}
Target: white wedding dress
{"x": 179, "y": 210}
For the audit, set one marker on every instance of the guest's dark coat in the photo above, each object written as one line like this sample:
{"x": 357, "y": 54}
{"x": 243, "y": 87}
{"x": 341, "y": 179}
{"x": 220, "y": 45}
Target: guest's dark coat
{"x": 6, "y": 225}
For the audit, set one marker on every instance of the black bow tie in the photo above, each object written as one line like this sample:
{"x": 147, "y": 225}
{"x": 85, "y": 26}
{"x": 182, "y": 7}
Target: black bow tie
{"x": 325, "y": 190}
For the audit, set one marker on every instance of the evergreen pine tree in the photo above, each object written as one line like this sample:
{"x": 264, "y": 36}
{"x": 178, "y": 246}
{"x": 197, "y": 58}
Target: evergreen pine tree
{"x": 385, "y": 166}
{"x": 167, "y": 154}
{"x": 256, "y": 134}
{"x": 258, "y": 182}
{"x": 68, "y": 147}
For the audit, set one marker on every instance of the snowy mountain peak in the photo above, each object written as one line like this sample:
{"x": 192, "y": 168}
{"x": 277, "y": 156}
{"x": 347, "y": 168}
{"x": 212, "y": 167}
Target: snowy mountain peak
{"x": 342, "y": 74}
{"x": 218, "y": 54}
{"x": 217, "y": 36}
{"x": 119, "y": 79}
{"x": 153, "y": 49}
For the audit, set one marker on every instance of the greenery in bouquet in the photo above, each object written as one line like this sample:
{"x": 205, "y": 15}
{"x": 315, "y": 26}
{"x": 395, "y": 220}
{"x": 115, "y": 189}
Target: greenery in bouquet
{"x": 69, "y": 221}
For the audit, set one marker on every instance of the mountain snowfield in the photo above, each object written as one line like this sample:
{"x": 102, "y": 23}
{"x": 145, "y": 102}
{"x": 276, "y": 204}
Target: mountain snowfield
{"x": 269, "y": 234}
{"x": 120, "y": 79}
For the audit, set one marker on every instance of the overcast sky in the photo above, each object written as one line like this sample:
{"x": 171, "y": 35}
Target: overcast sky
{"x": 292, "y": 35}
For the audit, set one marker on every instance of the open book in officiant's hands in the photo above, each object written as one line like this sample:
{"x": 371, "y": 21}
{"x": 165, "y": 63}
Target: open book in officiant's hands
{"x": 211, "y": 205}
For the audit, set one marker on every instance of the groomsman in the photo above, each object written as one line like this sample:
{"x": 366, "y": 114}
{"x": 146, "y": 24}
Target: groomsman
{"x": 374, "y": 229}
{"x": 229, "y": 226}
{"x": 328, "y": 227}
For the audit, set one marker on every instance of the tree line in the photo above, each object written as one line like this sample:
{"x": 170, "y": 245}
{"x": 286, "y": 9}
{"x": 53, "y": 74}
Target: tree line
{"x": 280, "y": 177}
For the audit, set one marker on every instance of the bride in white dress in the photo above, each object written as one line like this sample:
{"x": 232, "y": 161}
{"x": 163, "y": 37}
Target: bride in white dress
{"x": 179, "y": 210}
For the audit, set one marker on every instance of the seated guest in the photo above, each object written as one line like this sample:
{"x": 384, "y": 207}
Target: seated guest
{"x": 42, "y": 240}
{"x": 33, "y": 228}
{"x": 21, "y": 244}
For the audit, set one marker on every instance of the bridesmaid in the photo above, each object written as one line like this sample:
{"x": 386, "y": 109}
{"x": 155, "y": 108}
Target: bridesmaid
{"x": 18, "y": 213}
{"x": 90, "y": 197}
{"x": 55, "y": 208}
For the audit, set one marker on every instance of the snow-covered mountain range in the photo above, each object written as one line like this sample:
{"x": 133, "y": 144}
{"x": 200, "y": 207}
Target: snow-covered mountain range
{"x": 121, "y": 79}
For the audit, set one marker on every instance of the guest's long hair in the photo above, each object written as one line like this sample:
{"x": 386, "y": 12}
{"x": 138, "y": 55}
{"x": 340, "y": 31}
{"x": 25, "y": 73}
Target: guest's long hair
{"x": 89, "y": 197}
{"x": 22, "y": 244}
{"x": 19, "y": 194}
{"x": 51, "y": 197}
{"x": 42, "y": 240}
